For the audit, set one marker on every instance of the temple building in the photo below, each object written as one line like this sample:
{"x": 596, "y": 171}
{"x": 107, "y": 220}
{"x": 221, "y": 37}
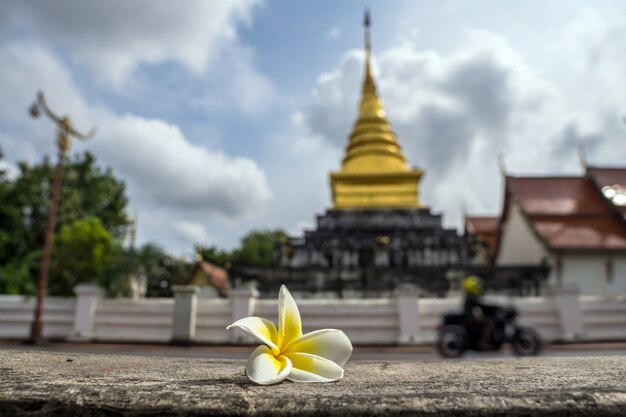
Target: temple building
{"x": 212, "y": 280}
{"x": 574, "y": 225}
{"x": 485, "y": 230}
{"x": 378, "y": 234}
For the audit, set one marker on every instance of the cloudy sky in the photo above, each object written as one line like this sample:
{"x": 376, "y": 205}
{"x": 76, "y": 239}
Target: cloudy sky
{"x": 224, "y": 116}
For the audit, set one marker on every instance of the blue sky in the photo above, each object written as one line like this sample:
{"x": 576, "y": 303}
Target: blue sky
{"x": 224, "y": 116}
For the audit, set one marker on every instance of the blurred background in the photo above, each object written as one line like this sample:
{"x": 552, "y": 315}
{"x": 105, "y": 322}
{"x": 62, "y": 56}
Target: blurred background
{"x": 222, "y": 161}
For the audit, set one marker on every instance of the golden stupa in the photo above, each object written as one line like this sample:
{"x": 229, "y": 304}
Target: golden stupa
{"x": 374, "y": 173}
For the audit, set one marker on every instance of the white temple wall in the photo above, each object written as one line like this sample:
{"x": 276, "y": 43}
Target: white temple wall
{"x": 401, "y": 319}
{"x": 593, "y": 273}
{"x": 519, "y": 245}
{"x": 587, "y": 272}
{"x": 617, "y": 285}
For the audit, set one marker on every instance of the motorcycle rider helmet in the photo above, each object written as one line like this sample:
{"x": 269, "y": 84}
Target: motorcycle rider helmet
{"x": 473, "y": 285}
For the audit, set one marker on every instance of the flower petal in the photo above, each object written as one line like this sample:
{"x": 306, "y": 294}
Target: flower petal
{"x": 311, "y": 368}
{"x": 262, "y": 329}
{"x": 330, "y": 344}
{"x": 265, "y": 369}
{"x": 289, "y": 324}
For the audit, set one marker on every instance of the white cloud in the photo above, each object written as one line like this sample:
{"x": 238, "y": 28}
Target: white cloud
{"x": 594, "y": 46}
{"x": 114, "y": 37}
{"x": 37, "y": 69}
{"x": 169, "y": 178}
{"x": 164, "y": 168}
{"x": 247, "y": 89}
{"x": 333, "y": 32}
{"x": 453, "y": 110}
{"x": 191, "y": 232}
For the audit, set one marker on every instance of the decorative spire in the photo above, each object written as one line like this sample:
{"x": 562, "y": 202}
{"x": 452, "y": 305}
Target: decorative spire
{"x": 366, "y": 25}
{"x": 374, "y": 171}
{"x": 372, "y": 132}
{"x": 368, "y": 83}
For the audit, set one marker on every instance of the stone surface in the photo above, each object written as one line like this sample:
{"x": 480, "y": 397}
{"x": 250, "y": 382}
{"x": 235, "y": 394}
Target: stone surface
{"x": 55, "y": 384}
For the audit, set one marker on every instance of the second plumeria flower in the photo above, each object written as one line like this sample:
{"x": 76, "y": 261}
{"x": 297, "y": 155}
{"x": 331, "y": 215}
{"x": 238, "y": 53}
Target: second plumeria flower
{"x": 318, "y": 356}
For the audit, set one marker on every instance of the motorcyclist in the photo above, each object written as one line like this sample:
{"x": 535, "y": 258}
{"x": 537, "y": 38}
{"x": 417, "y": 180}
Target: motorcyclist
{"x": 479, "y": 313}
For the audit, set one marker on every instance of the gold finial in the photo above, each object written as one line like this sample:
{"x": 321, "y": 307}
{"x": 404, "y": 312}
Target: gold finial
{"x": 370, "y": 106}
{"x": 368, "y": 83}
{"x": 366, "y": 25}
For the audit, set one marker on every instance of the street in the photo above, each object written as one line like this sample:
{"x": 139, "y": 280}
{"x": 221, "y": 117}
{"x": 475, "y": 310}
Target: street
{"x": 386, "y": 353}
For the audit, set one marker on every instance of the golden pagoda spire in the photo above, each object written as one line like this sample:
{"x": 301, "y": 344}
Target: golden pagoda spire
{"x": 374, "y": 172}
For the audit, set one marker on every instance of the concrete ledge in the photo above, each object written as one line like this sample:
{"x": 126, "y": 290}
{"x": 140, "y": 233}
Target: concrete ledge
{"x": 54, "y": 384}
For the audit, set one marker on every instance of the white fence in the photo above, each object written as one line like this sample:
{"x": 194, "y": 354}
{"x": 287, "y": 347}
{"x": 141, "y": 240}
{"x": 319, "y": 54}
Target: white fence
{"x": 16, "y": 315}
{"x": 147, "y": 320}
{"x": 403, "y": 319}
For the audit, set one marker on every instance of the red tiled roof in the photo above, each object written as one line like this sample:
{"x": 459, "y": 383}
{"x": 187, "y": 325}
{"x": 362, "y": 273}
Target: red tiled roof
{"x": 569, "y": 212}
{"x": 558, "y": 195}
{"x": 482, "y": 225}
{"x": 217, "y": 277}
{"x": 609, "y": 177}
{"x": 485, "y": 228}
{"x": 579, "y": 232}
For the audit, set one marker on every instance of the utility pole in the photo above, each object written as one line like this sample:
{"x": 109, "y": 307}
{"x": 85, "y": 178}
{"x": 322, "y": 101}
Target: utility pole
{"x": 65, "y": 132}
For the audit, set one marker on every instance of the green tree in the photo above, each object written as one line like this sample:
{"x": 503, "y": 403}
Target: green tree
{"x": 88, "y": 191}
{"x": 120, "y": 263}
{"x": 15, "y": 276}
{"x": 215, "y": 256}
{"x": 81, "y": 249}
{"x": 258, "y": 248}
{"x": 163, "y": 270}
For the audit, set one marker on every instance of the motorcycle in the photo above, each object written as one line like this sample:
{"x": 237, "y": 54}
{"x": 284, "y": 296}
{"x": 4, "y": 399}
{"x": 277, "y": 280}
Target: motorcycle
{"x": 456, "y": 335}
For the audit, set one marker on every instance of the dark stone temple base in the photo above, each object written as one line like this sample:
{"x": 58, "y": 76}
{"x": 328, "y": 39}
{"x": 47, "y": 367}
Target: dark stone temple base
{"x": 343, "y": 283}
{"x": 368, "y": 253}
{"x": 381, "y": 239}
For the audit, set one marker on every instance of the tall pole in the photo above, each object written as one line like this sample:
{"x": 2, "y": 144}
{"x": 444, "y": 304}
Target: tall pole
{"x": 65, "y": 132}
{"x": 37, "y": 325}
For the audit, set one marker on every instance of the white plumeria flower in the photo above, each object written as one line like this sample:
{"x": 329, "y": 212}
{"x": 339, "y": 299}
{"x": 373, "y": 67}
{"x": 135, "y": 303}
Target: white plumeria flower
{"x": 318, "y": 356}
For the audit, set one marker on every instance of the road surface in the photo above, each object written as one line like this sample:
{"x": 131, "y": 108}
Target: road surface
{"x": 392, "y": 353}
